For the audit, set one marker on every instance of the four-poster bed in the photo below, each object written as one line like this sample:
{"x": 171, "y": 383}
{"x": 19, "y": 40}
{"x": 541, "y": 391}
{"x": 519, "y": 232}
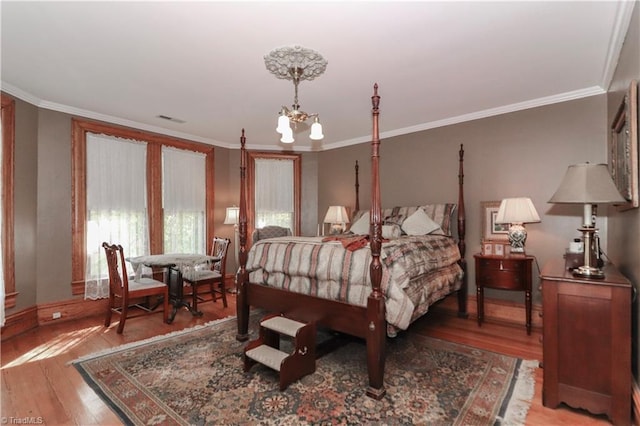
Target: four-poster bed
{"x": 367, "y": 318}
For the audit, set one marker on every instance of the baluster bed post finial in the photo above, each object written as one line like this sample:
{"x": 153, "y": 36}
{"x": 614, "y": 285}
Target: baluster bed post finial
{"x": 377, "y": 325}
{"x": 242, "y": 305}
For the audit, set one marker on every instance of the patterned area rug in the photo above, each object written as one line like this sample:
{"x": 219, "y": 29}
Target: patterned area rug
{"x": 195, "y": 377}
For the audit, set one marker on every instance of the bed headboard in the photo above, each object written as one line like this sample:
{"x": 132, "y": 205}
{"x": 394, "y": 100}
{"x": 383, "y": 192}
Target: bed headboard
{"x": 439, "y": 212}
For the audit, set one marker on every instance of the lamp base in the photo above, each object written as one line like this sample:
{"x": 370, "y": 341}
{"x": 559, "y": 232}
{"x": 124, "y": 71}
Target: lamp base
{"x": 336, "y": 228}
{"x": 588, "y": 272}
{"x": 517, "y": 237}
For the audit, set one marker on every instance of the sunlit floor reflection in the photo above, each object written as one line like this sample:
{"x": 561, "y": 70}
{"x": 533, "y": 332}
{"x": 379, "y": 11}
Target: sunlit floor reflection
{"x": 59, "y": 344}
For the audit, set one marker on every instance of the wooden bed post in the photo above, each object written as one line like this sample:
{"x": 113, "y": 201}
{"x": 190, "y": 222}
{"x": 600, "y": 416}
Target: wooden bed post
{"x": 242, "y": 300}
{"x": 357, "y": 205}
{"x": 376, "y": 324}
{"x": 462, "y": 293}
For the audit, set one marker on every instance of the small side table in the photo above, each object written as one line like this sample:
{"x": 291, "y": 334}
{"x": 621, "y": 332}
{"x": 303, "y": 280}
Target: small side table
{"x": 512, "y": 272}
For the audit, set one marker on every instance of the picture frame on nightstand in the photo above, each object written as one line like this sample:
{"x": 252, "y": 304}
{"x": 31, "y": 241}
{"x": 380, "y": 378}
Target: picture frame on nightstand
{"x": 487, "y": 248}
{"x": 494, "y": 248}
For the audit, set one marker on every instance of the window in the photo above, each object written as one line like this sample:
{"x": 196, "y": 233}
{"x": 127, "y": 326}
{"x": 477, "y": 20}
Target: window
{"x": 116, "y": 205}
{"x": 8, "y": 290}
{"x": 151, "y": 181}
{"x": 274, "y": 191}
{"x": 183, "y": 201}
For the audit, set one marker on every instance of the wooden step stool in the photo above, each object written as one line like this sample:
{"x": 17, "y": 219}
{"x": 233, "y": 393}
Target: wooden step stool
{"x": 266, "y": 348}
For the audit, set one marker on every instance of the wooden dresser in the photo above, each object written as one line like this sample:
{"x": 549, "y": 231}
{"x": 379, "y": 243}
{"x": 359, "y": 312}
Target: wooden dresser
{"x": 587, "y": 341}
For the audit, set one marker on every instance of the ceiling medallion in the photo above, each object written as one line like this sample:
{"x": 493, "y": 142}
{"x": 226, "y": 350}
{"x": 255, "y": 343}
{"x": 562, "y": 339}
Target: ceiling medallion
{"x": 296, "y": 63}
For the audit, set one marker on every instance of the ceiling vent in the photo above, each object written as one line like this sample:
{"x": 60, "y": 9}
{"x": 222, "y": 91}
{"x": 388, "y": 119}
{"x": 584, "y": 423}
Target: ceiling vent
{"x": 166, "y": 117}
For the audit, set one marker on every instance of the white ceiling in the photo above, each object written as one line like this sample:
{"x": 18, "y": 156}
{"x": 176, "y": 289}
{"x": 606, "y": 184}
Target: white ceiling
{"x": 436, "y": 63}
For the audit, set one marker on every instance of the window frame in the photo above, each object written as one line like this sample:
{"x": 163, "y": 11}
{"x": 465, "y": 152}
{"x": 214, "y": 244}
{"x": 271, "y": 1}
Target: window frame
{"x": 251, "y": 188}
{"x": 154, "y": 142}
{"x": 8, "y": 190}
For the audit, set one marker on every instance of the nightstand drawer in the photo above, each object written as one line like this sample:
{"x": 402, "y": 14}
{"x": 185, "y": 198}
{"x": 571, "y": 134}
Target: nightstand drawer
{"x": 501, "y": 279}
{"x": 502, "y": 264}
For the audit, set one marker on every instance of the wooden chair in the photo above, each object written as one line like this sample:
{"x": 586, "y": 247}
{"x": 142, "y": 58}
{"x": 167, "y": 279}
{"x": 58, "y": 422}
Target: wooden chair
{"x": 212, "y": 276}
{"x": 123, "y": 292}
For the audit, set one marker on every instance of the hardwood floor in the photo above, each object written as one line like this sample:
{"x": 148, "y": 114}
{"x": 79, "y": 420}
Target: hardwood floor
{"x": 40, "y": 387}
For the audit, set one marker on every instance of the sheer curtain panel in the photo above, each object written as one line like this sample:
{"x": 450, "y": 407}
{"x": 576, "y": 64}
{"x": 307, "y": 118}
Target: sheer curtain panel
{"x": 116, "y": 205}
{"x": 274, "y": 192}
{"x": 183, "y": 200}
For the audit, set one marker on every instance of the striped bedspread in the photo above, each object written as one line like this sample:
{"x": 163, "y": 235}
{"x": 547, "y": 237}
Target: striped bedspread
{"x": 417, "y": 271}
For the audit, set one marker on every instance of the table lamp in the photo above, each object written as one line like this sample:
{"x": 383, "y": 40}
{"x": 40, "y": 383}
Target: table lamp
{"x": 587, "y": 184}
{"x": 231, "y": 218}
{"x": 337, "y": 217}
{"x": 516, "y": 212}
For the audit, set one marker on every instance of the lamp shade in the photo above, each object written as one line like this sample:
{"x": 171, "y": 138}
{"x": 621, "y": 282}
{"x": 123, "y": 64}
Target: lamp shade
{"x": 336, "y": 214}
{"x": 283, "y": 124}
{"x": 517, "y": 210}
{"x": 587, "y": 183}
{"x": 316, "y": 130}
{"x": 287, "y": 135}
{"x": 232, "y": 215}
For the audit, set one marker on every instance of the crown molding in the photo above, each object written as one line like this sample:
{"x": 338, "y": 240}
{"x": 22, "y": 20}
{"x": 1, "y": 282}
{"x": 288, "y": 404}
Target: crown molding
{"x": 549, "y": 100}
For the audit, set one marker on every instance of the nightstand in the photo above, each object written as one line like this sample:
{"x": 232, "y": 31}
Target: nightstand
{"x": 512, "y": 272}
{"x": 587, "y": 341}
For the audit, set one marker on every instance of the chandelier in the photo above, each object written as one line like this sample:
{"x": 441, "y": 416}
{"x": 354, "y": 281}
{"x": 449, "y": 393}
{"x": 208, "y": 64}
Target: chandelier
{"x": 296, "y": 63}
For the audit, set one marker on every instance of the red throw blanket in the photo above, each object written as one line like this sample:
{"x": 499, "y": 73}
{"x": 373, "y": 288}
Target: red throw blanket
{"x": 349, "y": 241}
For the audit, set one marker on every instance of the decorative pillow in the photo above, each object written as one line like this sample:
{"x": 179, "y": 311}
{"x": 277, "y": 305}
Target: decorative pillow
{"x": 358, "y": 214}
{"x": 419, "y": 223}
{"x": 391, "y": 231}
{"x": 394, "y": 216}
{"x": 395, "y": 219}
{"x": 361, "y": 225}
{"x": 441, "y": 214}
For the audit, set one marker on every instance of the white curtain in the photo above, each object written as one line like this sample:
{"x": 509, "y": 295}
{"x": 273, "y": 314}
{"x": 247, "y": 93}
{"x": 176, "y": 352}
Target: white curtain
{"x": 116, "y": 205}
{"x": 183, "y": 200}
{"x": 274, "y": 192}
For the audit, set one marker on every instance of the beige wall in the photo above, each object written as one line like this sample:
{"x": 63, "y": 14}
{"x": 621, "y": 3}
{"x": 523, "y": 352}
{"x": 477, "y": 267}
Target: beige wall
{"x": 53, "y": 250}
{"x": 25, "y": 201}
{"x": 524, "y": 153}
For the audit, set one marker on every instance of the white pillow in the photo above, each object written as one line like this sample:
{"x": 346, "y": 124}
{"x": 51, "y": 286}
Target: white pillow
{"x": 361, "y": 226}
{"x": 419, "y": 223}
